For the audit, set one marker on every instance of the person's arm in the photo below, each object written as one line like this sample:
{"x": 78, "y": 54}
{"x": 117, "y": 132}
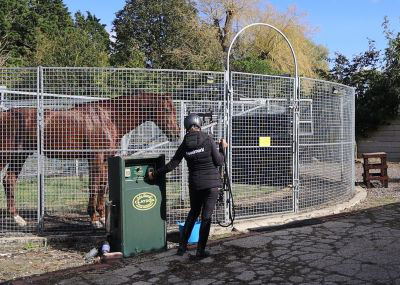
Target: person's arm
{"x": 217, "y": 155}
{"x": 172, "y": 164}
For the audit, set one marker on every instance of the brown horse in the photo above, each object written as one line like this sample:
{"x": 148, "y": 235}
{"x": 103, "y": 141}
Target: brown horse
{"x": 91, "y": 131}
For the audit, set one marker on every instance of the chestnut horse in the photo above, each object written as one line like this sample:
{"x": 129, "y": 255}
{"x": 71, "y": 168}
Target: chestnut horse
{"x": 91, "y": 131}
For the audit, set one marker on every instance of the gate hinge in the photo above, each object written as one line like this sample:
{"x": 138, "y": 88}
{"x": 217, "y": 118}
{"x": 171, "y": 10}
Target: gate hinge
{"x": 295, "y": 105}
{"x": 296, "y": 184}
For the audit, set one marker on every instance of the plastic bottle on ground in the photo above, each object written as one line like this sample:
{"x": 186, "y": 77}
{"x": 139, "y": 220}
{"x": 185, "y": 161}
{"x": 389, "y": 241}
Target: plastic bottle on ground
{"x": 92, "y": 253}
{"x": 105, "y": 248}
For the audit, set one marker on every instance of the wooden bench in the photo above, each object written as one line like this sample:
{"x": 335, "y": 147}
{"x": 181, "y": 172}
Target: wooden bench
{"x": 381, "y": 166}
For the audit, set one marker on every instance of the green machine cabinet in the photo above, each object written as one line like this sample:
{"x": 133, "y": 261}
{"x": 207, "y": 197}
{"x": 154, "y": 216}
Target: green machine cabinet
{"x": 137, "y": 207}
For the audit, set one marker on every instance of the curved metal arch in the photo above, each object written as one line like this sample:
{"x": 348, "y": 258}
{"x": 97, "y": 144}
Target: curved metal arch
{"x": 228, "y": 98}
{"x": 272, "y": 27}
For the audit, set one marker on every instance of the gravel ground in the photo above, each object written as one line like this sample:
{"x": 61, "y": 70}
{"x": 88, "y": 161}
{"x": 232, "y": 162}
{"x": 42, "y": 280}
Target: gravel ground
{"x": 377, "y": 195}
{"x": 30, "y": 259}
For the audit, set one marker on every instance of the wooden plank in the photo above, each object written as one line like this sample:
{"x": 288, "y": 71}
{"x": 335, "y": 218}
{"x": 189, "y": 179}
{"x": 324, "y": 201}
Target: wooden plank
{"x": 374, "y": 154}
{"x": 375, "y": 166}
{"x": 393, "y": 157}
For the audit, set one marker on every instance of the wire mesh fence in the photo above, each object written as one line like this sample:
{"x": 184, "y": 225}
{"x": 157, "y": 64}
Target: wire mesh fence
{"x": 262, "y": 144}
{"x": 59, "y": 125}
{"x": 18, "y": 135}
{"x": 327, "y": 152}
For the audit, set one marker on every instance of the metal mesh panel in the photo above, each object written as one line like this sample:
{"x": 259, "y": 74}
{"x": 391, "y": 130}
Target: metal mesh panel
{"x": 149, "y": 123}
{"x": 326, "y": 153}
{"x": 18, "y": 150}
{"x": 59, "y": 125}
{"x": 261, "y": 138}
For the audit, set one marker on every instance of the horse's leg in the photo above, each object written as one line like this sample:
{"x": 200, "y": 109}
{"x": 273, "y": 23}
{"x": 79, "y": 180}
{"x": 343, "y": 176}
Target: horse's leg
{"x": 10, "y": 183}
{"x": 94, "y": 170}
{"x": 91, "y": 209}
{"x": 103, "y": 175}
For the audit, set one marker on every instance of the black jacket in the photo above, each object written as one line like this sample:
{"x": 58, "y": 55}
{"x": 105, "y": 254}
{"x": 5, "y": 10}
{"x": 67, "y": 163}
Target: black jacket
{"x": 203, "y": 159}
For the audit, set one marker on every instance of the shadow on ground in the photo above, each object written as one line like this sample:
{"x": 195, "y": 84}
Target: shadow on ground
{"x": 358, "y": 247}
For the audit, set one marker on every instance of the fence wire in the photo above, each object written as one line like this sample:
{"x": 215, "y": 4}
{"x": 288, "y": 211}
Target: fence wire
{"x": 262, "y": 144}
{"x": 59, "y": 125}
{"x": 327, "y": 152}
{"x": 18, "y": 150}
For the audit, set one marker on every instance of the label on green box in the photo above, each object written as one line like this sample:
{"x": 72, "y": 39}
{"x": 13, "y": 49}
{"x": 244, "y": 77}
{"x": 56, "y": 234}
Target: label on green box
{"x": 144, "y": 201}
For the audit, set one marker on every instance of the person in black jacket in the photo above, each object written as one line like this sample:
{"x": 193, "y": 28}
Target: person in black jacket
{"x": 203, "y": 160}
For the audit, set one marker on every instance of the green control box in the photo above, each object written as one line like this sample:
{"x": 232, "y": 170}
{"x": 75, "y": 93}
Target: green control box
{"x": 137, "y": 206}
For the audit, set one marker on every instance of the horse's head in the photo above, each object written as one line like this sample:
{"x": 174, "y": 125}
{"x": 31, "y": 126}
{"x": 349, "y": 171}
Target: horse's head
{"x": 129, "y": 111}
{"x": 164, "y": 115}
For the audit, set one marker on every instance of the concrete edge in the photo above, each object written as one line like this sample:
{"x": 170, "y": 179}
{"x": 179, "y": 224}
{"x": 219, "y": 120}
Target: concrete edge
{"x": 38, "y": 241}
{"x": 244, "y": 226}
{"x": 241, "y": 226}
{"x": 26, "y": 241}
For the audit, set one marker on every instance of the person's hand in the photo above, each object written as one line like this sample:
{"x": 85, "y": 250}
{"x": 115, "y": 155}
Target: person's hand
{"x": 150, "y": 175}
{"x": 223, "y": 143}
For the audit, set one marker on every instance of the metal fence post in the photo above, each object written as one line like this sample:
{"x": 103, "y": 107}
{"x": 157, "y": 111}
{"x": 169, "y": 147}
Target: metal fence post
{"x": 37, "y": 145}
{"x": 2, "y": 99}
{"x": 40, "y": 148}
{"x": 228, "y": 99}
{"x": 353, "y": 138}
{"x": 296, "y": 149}
{"x": 341, "y": 137}
{"x": 183, "y": 167}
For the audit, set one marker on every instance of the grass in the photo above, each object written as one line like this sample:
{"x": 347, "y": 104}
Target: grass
{"x": 60, "y": 192}
{"x": 240, "y": 192}
{"x": 71, "y": 193}
{"x": 31, "y": 245}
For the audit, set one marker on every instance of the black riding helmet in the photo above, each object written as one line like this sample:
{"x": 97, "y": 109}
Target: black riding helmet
{"x": 192, "y": 119}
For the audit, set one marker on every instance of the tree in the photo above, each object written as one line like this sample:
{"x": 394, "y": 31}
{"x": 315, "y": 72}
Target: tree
{"x": 154, "y": 27}
{"x": 51, "y": 16}
{"x": 260, "y": 49}
{"x": 267, "y": 45}
{"x": 86, "y": 43}
{"x": 376, "y": 87}
{"x": 17, "y": 26}
{"x": 166, "y": 34}
{"x": 95, "y": 30}
{"x": 73, "y": 48}
{"x": 392, "y": 53}
{"x": 3, "y": 52}
{"x": 221, "y": 15}
{"x": 22, "y": 20}
{"x": 41, "y": 32}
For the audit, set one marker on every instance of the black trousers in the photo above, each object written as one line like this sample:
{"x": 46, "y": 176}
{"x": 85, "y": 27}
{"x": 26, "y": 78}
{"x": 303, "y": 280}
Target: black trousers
{"x": 201, "y": 201}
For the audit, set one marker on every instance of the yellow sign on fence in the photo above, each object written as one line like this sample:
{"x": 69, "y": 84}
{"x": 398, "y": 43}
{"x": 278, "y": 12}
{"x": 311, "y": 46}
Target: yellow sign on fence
{"x": 264, "y": 141}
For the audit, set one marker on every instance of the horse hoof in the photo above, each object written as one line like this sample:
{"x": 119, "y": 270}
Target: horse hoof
{"x": 97, "y": 225}
{"x": 103, "y": 221}
{"x": 19, "y": 221}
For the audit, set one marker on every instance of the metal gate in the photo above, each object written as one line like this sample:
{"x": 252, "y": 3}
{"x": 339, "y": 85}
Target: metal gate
{"x": 261, "y": 136}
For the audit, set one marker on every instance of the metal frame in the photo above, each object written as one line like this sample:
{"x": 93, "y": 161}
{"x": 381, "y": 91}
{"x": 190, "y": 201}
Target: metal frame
{"x": 57, "y": 89}
{"x": 294, "y": 105}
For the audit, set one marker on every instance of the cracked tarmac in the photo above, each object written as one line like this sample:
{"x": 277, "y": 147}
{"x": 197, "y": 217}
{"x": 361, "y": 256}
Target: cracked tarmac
{"x": 353, "y": 248}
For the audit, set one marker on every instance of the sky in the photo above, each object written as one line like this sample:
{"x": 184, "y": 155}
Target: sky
{"x": 342, "y": 25}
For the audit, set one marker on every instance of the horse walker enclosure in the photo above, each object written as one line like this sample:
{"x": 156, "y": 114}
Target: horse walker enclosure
{"x": 291, "y": 140}
{"x": 59, "y": 125}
